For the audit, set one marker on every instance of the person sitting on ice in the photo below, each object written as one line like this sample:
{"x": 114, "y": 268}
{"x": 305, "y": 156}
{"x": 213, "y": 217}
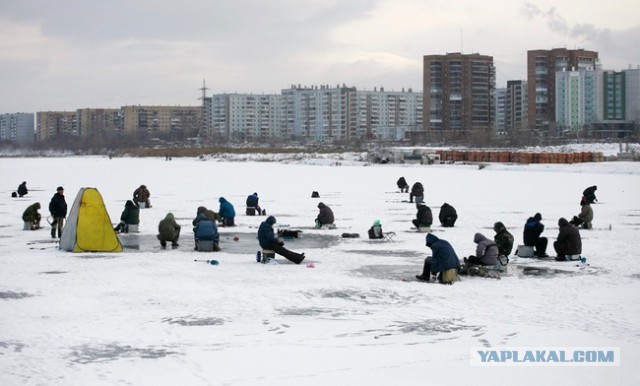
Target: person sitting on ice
{"x": 22, "y": 189}
{"x": 585, "y": 217}
{"x": 226, "y": 212}
{"x": 130, "y": 216}
{"x": 403, "y": 185}
{"x": 569, "y": 242}
{"x": 206, "y": 230}
{"x": 375, "y": 232}
{"x": 208, "y": 213}
{"x": 590, "y": 194}
{"x": 168, "y": 230}
{"x": 533, "y": 228}
{"x": 486, "y": 252}
{"x": 253, "y": 202}
{"x": 32, "y": 217}
{"x": 142, "y": 194}
{"x": 325, "y": 216}
{"x": 424, "y": 218}
{"x": 444, "y": 262}
{"x": 447, "y": 215}
{"x": 268, "y": 241}
{"x": 417, "y": 191}
{"x": 503, "y": 239}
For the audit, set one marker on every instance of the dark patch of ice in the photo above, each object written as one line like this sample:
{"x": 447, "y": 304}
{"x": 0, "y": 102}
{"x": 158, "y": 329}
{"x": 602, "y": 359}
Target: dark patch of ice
{"x": 15, "y": 346}
{"x": 52, "y": 272}
{"x": 14, "y": 295}
{"x": 88, "y": 353}
{"x": 194, "y": 321}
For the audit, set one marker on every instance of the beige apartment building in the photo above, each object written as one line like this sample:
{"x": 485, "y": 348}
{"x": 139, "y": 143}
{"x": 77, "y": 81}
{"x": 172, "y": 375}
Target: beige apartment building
{"x": 161, "y": 119}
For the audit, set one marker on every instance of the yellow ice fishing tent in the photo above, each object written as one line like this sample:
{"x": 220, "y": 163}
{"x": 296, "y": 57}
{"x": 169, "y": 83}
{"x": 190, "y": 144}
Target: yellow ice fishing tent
{"x": 88, "y": 227}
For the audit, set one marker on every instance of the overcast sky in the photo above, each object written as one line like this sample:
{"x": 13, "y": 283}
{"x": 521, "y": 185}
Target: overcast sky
{"x": 70, "y": 54}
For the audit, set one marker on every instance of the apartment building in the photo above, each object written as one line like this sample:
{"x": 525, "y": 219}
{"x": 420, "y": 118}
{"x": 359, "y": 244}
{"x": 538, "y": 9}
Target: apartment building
{"x": 99, "y": 122}
{"x": 516, "y": 105}
{"x": 384, "y": 115}
{"x": 576, "y": 99}
{"x": 17, "y": 127}
{"x": 542, "y": 66}
{"x": 154, "y": 120}
{"x": 56, "y": 123}
{"x": 500, "y": 108}
{"x": 458, "y": 93}
{"x": 245, "y": 117}
{"x": 632, "y": 95}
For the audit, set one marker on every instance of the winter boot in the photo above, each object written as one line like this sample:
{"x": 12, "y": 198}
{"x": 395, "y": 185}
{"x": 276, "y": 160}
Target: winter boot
{"x": 426, "y": 273}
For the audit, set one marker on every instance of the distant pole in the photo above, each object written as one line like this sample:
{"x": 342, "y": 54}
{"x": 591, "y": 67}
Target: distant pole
{"x": 461, "y": 41}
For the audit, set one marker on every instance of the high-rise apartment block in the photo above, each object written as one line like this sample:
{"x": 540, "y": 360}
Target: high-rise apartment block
{"x": 56, "y": 123}
{"x": 17, "y": 127}
{"x": 245, "y": 117}
{"x": 153, "y": 120}
{"x": 542, "y": 66}
{"x": 458, "y": 93}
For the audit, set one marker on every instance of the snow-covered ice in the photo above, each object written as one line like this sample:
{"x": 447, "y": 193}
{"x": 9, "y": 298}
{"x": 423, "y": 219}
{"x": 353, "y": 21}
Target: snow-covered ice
{"x": 152, "y": 316}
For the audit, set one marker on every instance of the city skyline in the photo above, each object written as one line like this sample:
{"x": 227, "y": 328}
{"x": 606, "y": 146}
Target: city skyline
{"x": 71, "y": 54}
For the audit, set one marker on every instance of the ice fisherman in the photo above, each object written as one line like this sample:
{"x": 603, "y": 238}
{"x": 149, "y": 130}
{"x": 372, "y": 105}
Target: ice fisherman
{"x": 209, "y": 214}
{"x": 444, "y": 262}
{"x": 417, "y": 192}
{"x": 590, "y": 194}
{"x": 130, "y": 216}
{"x": 424, "y": 217}
{"x": 142, "y": 194}
{"x": 325, "y": 215}
{"x": 533, "y": 228}
{"x": 22, "y": 189}
{"x": 503, "y": 239}
{"x": 253, "y": 201}
{"x": 568, "y": 242}
{"x": 375, "y": 232}
{"x": 448, "y": 215}
{"x": 58, "y": 210}
{"x": 168, "y": 230}
{"x": 226, "y": 212}
{"x": 32, "y": 216}
{"x": 206, "y": 229}
{"x": 403, "y": 185}
{"x": 268, "y": 240}
{"x": 487, "y": 251}
{"x": 585, "y": 217}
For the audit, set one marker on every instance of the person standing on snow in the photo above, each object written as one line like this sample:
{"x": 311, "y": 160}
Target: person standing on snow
{"x": 590, "y": 194}
{"x": 58, "y": 210}
{"x": 142, "y": 194}
{"x": 403, "y": 185}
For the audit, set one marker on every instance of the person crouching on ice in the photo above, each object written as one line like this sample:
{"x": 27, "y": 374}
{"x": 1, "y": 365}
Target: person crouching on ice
{"x": 443, "y": 262}
{"x": 268, "y": 240}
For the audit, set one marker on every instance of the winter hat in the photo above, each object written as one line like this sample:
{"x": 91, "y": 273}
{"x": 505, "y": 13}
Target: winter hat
{"x": 270, "y": 220}
{"x": 376, "y": 223}
{"x": 321, "y": 205}
{"x": 59, "y": 188}
{"x": 499, "y": 226}
{"x": 478, "y": 237}
{"x": 537, "y": 217}
{"x": 255, "y": 194}
{"x": 201, "y": 209}
{"x": 562, "y": 222}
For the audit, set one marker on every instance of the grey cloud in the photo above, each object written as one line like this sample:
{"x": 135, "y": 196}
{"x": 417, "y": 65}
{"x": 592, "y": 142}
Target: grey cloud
{"x": 557, "y": 23}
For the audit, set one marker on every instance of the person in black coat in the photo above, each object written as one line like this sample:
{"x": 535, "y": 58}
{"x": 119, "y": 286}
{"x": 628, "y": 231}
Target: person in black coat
{"x": 533, "y": 228}
{"x": 268, "y": 240}
{"x": 22, "y": 189}
{"x": 447, "y": 215}
{"x": 569, "y": 241}
{"x": 325, "y": 216}
{"x": 590, "y": 194}
{"x": 58, "y": 210}
{"x": 417, "y": 191}
{"x": 424, "y": 218}
{"x": 403, "y": 185}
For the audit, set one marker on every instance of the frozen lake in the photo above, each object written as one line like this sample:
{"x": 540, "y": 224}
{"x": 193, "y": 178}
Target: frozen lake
{"x": 152, "y": 316}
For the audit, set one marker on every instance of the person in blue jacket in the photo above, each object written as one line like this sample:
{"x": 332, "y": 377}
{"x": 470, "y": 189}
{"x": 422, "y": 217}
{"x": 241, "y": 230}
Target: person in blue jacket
{"x": 253, "y": 202}
{"x": 444, "y": 258}
{"x": 268, "y": 240}
{"x": 205, "y": 229}
{"x": 226, "y": 212}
